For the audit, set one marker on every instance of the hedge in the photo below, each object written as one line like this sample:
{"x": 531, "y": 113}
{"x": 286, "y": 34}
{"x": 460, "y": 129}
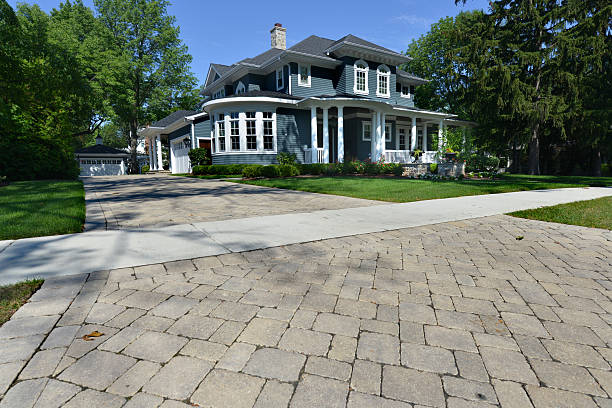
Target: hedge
{"x": 218, "y": 169}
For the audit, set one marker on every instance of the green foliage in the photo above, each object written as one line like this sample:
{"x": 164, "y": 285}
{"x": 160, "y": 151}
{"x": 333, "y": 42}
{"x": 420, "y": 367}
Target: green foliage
{"x": 433, "y": 168}
{"x": 479, "y": 162}
{"x": 270, "y": 171}
{"x": 199, "y": 156}
{"x": 286, "y": 158}
{"x": 145, "y": 169}
{"x": 252, "y": 171}
{"x": 218, "y": 169}
{"x": 288, "y": 170}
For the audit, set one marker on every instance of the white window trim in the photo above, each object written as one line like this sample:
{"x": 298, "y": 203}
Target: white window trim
{"x": 363, "y": 137}
{"x": 282, "y": 78}
{"x": 388, "y": 135}
{"x": 240, "y": 88}
{"x": 299, "y": 74}
{"x": 242, "y": 133}
{"x": 366, "y": 70}
{"x": 219, "y": 94}
{"x": 380, "y": 74}
{"x": 404, "y": 95}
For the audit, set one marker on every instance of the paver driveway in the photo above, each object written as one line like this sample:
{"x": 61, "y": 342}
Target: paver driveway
{"x": 459, "y": 314}
{"x": 161, "y": 200}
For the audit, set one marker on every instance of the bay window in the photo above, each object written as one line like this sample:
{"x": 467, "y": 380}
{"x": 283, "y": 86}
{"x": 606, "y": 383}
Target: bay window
{"x": 383, "y": 76}
{"x": 235, "y": 131}
{"x": 268, "y": 131}
{"x": 221, "y": 132}
{"x": 245, "y": 132}
{"x": 361, "y": 77}
{"x": 251, "y": 131}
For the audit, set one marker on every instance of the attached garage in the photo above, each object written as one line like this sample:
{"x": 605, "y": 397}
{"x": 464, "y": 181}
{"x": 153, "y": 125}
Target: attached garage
{"x": 179, "y": 155}
{"x": 100, "y": 160}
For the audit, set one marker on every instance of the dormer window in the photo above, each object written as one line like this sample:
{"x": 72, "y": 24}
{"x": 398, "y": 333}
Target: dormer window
{"x": 303, "y": 75}
{"x": 361, "y": 78}
{"x": 219, "y": 94}
{"x": 383, "y": 75}
{"x": 280, "y": 79}
{"x": 407, "y": 91}
{"x": 240, "y": 89}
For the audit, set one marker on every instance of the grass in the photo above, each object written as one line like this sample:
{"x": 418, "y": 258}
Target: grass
{"x": 592, "y": 213}
{"x": 39, "y": 208}
{"x": 12, "y": 297}
{"x": 209, "y": 176}
{"x": 405, "y": 190}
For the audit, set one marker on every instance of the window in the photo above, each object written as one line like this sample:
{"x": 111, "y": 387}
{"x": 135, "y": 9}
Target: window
{"x": 420, "y": 139}
{"x": 407, "y": 91}
{"x": 268, "y": 131}
{"x": 251, "y": 131}
{"x": 235, "y": 130}
{"x": 303, "y": 75}
{"x": 383, "y": 76}
{"x": 280, "y": 79}
{"x": 402, "y": 139}
{"x": 240, "y": 89}
{"x": 361, "y": 78}
{"x": 219, "y": 94}
{"x": 387, "y": 132}
{"x": 221, "y": 132}
{"x": 366, "y": 131}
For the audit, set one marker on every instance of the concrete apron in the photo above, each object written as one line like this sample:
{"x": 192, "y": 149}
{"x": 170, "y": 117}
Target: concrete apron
{"x": 100, "y": 250}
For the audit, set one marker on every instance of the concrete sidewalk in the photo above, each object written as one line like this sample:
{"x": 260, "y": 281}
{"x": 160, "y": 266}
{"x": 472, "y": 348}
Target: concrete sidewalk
{"x": 101, "y": 250}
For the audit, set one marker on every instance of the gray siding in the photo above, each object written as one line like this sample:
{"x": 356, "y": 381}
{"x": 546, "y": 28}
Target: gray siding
{"x": 355, "y": 147}
{"x": 292, "y": 131}
{"x": 202, "y": 129}
{"x": 183, "y": 131}
{"x": 245, "y": 158}
{"x": 322, "y": 82}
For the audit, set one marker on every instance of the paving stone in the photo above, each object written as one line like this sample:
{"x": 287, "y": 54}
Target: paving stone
{"x": 276, "y": 314}
{"x": 303, "y": 319}
{"x": 532, "y": 292}
{"x": 364, "y": 310}
{"x": 470, "y": 390}
{"x": 22, "y": 348}
{"x": 274, "y": 395}
{"x": 155, "y": 323}
{"x": 145, "y": 283}
{"x": 236, "y": 357}
{"x": 343, "y": 348}
{"x": 507, "y": 365}
{"x": 179, "y": 378}
{"x": 97, "y": 370}
{"x": 573, "y": 333}
{"x": 235, "y": 311}
{"x": 143, "y": 300}
{"x": 263, "y": 332}
{"x": 387, "y": 313}
{"x": 205, "y": 350}
{"x": 305, "y": 341}
{"x": 359, "y": 400}
{"x": 92, "y": 398}
{"x": 200, "y": 292}
{"x": 412, "y": 332}
{"x": 318, "y": 302}
{"x": 427, "y": 358}
{"x": 572, "y": 353}
{"x": 55, "y": 394}
{"x": 366, "y": 377}
{"x": 121, "y": 340}
{"x": 262, "y": 298}
{"x": 193, "y": 325}
{"x": 23, "y": 394}
{"x": 275, "y": 364}
{"x": 454, "y": 402}
{"x": 412, "y": 386}
{"x": 328, "y": 368}
{"x": 336, "y": 324}
{"x": 470, "y": 366}
{"x": 60, "y": 337}
{"x": 142, "y": 400}
{"x": 79, "y": 346}
{"x": 604, "y": 378}
{"x": 417, "y": 313}
{"x": 511, "y": 394}
{"x": 476, "y": 306}
{"x": 531, "y": 347}
{"x": 377, "y": 326}
{"x": 174, "y": 307}
{"x": 228, "y": 332}
{"x": 27, "y": 326}
{"x": 450, "y": 338}
{"x": 566, "y": 377}
{"x": 381, "y": 348}
{"x": 459, "y": 320}
{"x": 64, "y": 363}
{"x": 130, "y": 382}
{"x": 524, "y": 324}
{"x": 551, "y": 398}
{"x": 47, "y": 307}
{"x": 315, "y": 391}
{"x": 8, "y": 373}
{"x": 154, "y": 346}
{"x": 483, "y": 339}
{"x": 580, "y": 318}
{"x": 221, "y": 389}
{"x": 42, "y": 364}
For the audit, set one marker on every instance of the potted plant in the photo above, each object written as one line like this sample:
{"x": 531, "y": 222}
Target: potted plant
{"x": 417, "y": 154}
{"x": 449, "y": 154}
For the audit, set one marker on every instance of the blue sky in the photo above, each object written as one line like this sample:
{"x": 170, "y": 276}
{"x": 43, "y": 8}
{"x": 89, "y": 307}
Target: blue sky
{"x": 228, "y": 31}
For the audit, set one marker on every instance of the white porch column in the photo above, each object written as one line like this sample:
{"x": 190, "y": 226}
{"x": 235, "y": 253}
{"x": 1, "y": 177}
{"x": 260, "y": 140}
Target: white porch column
{"x": 313, "y": 134}
{"x": 425, "y": 137}
{"x": 158, "y": 148}
{"x": 382, "y": 143}
{"x": 440, "y": 134}
{"x": 340, "y": 134}
{"x": 378, "y": 136}
{"x": 193, "y": 143}
{"x": 150, "y": 143}
{"x": 373, "y": 137}
{"x": 325, "y": 135}
{"x": 413, "y": 134}
{"x": 463, "y": 134}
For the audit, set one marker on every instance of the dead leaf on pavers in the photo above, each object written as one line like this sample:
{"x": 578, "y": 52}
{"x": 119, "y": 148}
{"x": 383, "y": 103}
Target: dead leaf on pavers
{"x": 92, "y": 335}
{"x": 519, "y": 238}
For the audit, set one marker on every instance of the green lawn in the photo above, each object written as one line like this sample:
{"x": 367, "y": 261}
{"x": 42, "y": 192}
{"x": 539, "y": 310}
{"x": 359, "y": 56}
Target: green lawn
{"x": 39, "y": 208}
{"x": 12, "y": 297}
{"x": 592, "y": 213}
{"x": 209, "y": 176}
{"x": 405, "y": 190}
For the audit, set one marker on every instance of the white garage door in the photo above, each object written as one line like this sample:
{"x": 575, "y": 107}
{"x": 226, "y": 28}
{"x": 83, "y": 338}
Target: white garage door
{"x": 180, "y": 157}
{"x": 102, "y": 167}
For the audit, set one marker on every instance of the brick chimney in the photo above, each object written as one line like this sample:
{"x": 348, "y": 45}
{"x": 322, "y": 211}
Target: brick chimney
{"x": 278, "y": 36}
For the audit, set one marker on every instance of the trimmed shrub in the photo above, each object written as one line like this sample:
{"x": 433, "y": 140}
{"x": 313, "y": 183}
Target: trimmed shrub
{"x": 288, "y": 170}
{"x": 286, "y": 158}
{"x": 199, "y": 156}
{"x": 479, "y": 162}
{"x": 199, "y": 170}
{"x": 252, "y": 171}
{"x": 433, "y": 167}
{"x": 145, "y": 168}
{"x": 371, "y": 169}
{"x": 270, "y": 171}
{"x": 313, "y": 169}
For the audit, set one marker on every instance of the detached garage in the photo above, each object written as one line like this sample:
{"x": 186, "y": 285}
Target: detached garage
{"x": 100, "y": 160}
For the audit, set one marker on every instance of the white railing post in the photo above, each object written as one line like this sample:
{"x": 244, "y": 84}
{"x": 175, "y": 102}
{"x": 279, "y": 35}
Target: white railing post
{"x": 325, "y": 135}
{"x": 425, "y": 126}
{"x": 373, "y": 137}
{"x": 340, "y": 134}
{"x": 150, "y": 153}
{"x": 158, "y": 148}
{"x": 440, "y": 134}
{"x": 413, "y": 134}
{"x": 313, "y": 134}
{"x": 382, "y": 143}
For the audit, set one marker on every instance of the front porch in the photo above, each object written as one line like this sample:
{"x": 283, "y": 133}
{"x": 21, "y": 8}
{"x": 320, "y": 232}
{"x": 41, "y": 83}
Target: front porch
{"x": 344, "y": 133}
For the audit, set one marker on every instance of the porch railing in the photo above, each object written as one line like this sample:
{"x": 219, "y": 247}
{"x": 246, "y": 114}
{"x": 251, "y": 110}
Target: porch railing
{"x": 308, "y": 155}
{"x": 404, "y": 156}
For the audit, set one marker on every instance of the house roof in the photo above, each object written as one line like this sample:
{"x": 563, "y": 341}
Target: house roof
{"x": 221, "y": 68}
{"x": 268, "y": 94}
{"x": 313, "y": 45}
{"x": 350, "y": 38}
{"x": 173, "y": 117}
{"x": 407, "y": 75}
{"x": 100, "y": 149}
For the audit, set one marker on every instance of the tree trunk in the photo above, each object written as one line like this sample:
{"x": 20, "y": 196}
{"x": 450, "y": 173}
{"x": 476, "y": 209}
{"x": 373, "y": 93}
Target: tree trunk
{"x": 534, "y": 151}
{"x": 134, "y": 169}
{"x": 596, "y": 162}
